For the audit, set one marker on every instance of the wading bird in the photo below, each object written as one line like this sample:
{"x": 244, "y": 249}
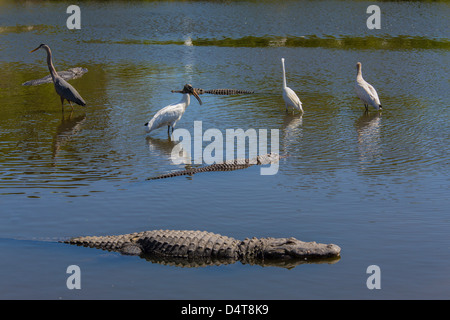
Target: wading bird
{"x": 365, "y": 91}
{"x": 171, "y": 114}
{"x": 62, "y": 87}
{"x": 289, "y": 96}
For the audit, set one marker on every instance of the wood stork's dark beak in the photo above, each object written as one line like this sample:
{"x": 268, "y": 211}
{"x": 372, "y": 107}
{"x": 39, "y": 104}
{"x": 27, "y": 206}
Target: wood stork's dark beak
{"x": 195, "y": 94}
{"x": 191, "y": 90}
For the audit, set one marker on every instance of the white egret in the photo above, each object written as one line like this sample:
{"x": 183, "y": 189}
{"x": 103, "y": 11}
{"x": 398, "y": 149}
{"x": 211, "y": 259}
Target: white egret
{"x": 289, "y": 96}
{"x": 171, "y": 114}
{"x": 365, "y": 91}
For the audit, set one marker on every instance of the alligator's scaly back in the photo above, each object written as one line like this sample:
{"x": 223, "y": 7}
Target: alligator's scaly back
{"x": 72, "y": 73}
{"x": 229, "y": 165}
{"x": 227, "y": 91}
{"x": 222, "y": 92}
{"x": 199, "y": 248}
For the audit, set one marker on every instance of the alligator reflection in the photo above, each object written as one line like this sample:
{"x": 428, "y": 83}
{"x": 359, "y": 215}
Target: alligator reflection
{"x": 205, "y": 262}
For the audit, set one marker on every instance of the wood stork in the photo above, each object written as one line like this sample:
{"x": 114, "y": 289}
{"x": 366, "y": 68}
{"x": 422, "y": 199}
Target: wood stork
{"x": 365, "y": 91}
{"x": 289, "y": 96}
{"x": 171, "y": 114}
{"x": 62, "y": 87}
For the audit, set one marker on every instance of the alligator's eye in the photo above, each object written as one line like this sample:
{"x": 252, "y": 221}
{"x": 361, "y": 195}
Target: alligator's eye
{"x": 290, "y": 241}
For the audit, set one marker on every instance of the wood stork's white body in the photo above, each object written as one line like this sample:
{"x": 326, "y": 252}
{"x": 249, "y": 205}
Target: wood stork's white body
{"x": 290, "y": 98}
{"x": 365, "y": 91}
{"x": 171, "y": 114}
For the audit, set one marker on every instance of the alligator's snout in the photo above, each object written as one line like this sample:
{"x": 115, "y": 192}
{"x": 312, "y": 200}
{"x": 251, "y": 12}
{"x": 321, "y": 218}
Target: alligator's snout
{"x": 291, "y": 248}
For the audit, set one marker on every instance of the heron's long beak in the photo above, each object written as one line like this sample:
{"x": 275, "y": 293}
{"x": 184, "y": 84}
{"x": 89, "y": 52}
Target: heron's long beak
{"x": 195, "y": 94}
{"x": 35, "y": 49}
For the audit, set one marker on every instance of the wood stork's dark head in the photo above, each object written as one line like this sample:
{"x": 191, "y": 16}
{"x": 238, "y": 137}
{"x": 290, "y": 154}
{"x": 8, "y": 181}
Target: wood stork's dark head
{"x": 189, "y": 89}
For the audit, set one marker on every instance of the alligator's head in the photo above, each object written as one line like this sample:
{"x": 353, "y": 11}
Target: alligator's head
{"x": 291, "y": 248}
{"x": 268, "y": 158}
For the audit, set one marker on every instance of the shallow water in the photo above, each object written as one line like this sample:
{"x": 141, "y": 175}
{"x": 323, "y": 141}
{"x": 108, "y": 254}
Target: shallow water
{"x": 375, "y": 184}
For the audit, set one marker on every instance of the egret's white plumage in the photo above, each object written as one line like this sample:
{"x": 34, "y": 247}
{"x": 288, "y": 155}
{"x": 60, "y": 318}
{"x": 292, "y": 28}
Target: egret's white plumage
{"x": 365, "y": 91}
{"x": 171, "y": 114}
{"x": 290, "y": 98}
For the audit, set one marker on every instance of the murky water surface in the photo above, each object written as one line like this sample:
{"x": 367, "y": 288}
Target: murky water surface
{"x": 376, "y": 184}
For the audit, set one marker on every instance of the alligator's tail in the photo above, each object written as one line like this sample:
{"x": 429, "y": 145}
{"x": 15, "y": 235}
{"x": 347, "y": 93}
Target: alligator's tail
{"x": 229, "y": 165}
{"x": 210, "y": 168}
{"x": 227, "y": 91}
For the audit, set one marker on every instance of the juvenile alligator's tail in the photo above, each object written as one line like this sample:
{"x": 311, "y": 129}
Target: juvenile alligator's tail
{"x": 210, "y": 168}
{"x": 229, "y": 165}
{"x": 222, "y": 92}
{"x": 227, "y": 91}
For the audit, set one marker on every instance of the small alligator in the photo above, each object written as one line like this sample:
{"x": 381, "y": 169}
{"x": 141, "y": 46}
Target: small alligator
{"x": 222, "y": 92}
{"x": 228, "y": 165}
{"x": 72, "y": 73}
{"x": 190, "y": 248}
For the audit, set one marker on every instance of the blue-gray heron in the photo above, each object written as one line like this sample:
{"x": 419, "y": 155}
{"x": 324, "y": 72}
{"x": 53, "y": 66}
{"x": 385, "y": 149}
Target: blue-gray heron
{"x": 62, "y": 87}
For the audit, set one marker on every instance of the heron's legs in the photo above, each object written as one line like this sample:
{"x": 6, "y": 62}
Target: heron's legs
{"x": 367, "y": 107}
{"x": 62, "y": 104}
{"x": 71, "y": 112}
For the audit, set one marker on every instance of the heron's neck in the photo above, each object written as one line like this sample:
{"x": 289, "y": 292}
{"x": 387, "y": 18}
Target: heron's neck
{"x": 284, "y": 75}
{"x": 51, "y": 68}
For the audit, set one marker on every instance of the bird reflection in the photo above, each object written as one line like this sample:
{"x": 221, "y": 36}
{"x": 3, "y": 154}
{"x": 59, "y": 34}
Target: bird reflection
{"x": 292, "y": 129}
{"x": 66, "y": 130}
{"x": 175, "y": 151}
{"x": 368, "y": 128}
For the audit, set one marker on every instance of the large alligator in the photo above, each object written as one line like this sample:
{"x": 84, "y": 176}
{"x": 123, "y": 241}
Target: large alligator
{"x": 200, "y": 248}
{"x": 229, "y": 165}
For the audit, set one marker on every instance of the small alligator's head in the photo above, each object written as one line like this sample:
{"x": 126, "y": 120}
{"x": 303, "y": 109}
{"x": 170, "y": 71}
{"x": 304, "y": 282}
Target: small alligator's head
{"x": 268, "y": 158}
{"x": 291, "y": 248}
